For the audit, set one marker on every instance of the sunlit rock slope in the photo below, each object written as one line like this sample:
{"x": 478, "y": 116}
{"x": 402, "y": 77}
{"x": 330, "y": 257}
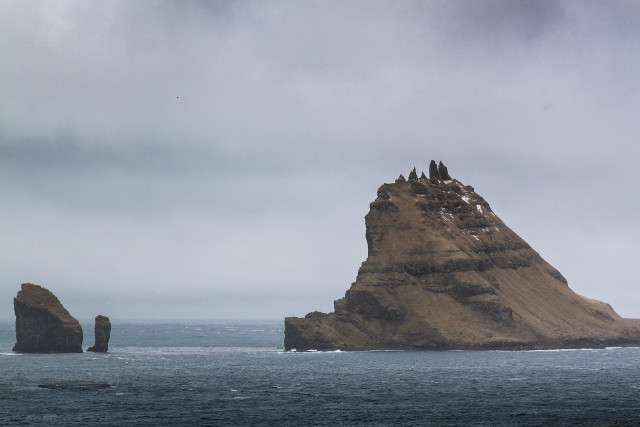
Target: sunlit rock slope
{"x": 444, "y": 272}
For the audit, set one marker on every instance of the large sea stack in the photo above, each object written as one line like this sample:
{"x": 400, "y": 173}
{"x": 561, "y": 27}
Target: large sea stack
{"x": 444, "y": 272}
{"x": 103, "y": 333}
{"x": 43, "y": 325}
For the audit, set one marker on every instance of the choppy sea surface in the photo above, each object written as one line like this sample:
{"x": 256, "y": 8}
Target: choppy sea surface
{"x": 236, "y": 373}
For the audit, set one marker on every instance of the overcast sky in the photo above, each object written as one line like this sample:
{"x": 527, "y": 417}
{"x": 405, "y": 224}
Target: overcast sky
{"x": 213, "y": 160}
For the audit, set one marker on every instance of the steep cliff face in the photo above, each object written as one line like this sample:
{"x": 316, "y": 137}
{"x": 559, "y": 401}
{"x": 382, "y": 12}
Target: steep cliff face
{"x": 444, "y": 272}
{"x": 43, "y": 325}
{"x": 102, "y": 334}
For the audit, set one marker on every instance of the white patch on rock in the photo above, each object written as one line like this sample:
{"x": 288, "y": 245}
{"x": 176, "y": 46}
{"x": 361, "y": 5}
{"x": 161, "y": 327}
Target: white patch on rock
{"x": 479, "y": 208}
{"x": 447, "y": 216}
{"x": 466, "y": 199}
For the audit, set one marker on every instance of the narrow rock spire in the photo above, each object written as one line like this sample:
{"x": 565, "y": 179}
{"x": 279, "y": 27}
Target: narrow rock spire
{"x": 442, "y": 171}
{"x": 434, "y": 176}
{"x": 103, "y": 333}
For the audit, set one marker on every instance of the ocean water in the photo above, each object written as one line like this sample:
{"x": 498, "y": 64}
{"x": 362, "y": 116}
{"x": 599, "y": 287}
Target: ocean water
{"x": 236, "y": 374}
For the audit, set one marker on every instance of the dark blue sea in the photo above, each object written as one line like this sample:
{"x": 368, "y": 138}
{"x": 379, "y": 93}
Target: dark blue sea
{"x": 237, "y": 374}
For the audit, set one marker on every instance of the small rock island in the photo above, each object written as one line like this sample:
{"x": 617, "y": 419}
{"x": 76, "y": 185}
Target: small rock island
{"x": 43, "y": 325}
{"x": 102, "y": 331}
{"x": 443, "y": 272}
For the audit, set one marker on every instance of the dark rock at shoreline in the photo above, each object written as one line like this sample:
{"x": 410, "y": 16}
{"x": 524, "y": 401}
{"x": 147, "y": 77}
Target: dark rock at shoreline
{"x": 43, "y": 325}
{"x": 444, "y": 272}
{"x": 102, "y": 333}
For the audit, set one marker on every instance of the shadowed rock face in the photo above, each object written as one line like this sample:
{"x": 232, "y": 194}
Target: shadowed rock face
{"x": 43, "y": 325}
{"x": 444, "y": 272}
{"x": 103, "y": 333}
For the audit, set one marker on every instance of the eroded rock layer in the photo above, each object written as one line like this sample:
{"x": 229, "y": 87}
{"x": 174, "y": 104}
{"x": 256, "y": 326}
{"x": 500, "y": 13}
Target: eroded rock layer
{"x": 43, "y": 325}
{"x": 444, "y": 272}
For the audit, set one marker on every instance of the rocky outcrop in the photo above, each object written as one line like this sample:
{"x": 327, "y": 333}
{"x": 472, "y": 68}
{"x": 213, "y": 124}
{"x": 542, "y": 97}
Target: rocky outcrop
{"x": 444, "y": 272}
{"x": 103, "y": 333}
{"x": 434, "y": 176}
{"x": 43, "y": 325}
{"x": 442, "y": 171}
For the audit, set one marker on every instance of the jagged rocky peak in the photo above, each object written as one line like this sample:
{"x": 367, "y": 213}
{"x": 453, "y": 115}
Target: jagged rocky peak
{"x": 102, "y": 331}
{"x": 413, "y": 175}
{"x": 438, "y": 172}
{"x": 444, "y": 272}
{"x": 43, "y": 325}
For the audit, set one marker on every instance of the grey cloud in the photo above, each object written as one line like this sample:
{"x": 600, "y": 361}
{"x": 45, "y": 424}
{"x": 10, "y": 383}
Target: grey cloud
{"x": 495, "y": 24}
{"x": 151, "y": 179}
{"x": 190, "y": 148}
